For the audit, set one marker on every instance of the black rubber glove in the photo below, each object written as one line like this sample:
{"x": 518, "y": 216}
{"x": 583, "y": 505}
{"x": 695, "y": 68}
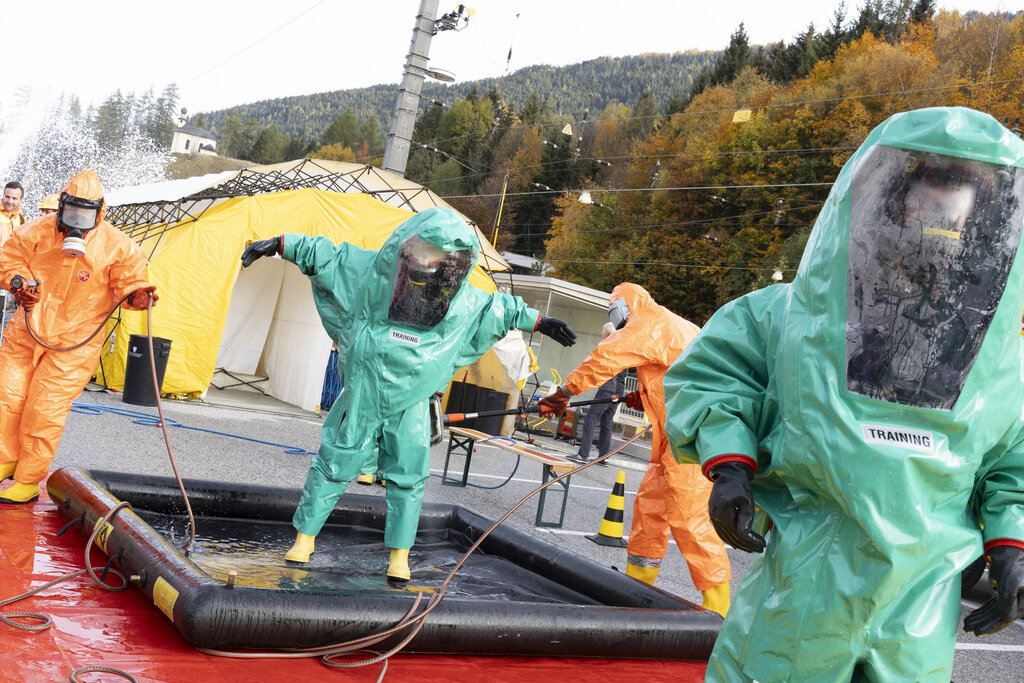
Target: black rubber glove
{"x": 557, "y": 330}
{"x": 259, "y": 248}
{"x": 1007, "y": 605}
{"x": 731, "y": 506}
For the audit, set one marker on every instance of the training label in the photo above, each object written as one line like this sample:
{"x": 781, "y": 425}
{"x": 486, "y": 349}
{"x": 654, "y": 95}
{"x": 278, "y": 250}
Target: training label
{"x": 901, "y": 437}
{"x": 164, "y": 597}
{"x": 405, "y": 337}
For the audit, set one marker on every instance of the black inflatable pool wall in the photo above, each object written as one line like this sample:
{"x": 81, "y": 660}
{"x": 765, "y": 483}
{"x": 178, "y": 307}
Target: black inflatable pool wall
{"x": 632, "y": 620}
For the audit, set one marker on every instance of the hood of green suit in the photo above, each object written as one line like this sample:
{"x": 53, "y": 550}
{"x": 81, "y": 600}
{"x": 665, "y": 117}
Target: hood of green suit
{"x": 441, "y": 228}
{"x": 905, "y": 307}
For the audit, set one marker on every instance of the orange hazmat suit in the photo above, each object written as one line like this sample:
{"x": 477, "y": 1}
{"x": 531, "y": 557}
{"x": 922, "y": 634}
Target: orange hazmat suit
{"x": 671, "y": 496}
{"x": 76, "y": 294}
{"x": 9, "y": 222}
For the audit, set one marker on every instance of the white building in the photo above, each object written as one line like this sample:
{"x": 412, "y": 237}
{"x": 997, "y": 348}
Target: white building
{"x": 191, "y": 140}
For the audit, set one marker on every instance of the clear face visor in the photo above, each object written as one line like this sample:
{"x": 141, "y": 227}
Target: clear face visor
{"x": 931, "y": 242}
{"x": 420, "y": 259}
{"x": 78, "y": 214}
{"x": 618, "y": 313}
{"x": 427, "y": 279}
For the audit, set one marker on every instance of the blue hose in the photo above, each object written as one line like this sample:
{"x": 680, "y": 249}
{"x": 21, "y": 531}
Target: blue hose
{"x": 151, "y": 420}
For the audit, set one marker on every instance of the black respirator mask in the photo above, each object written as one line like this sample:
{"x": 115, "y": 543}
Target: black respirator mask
{"x": 75, "y": 217}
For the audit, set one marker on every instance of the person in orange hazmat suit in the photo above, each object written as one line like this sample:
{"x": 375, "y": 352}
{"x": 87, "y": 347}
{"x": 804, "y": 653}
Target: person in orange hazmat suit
{"x": 82, "y": 265}
{"x": 49, "y": 204}
{"x": 11, "y": 219}
{"x": 671, "y": 496}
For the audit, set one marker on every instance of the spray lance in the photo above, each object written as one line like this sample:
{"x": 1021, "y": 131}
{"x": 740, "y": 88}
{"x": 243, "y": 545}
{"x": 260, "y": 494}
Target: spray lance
{"x": 440, "y": 420}
{"x": 18, "y": 283}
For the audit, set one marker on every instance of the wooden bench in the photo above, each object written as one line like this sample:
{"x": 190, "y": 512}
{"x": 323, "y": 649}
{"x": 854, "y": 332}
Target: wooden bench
{"x": 462, "y": 440}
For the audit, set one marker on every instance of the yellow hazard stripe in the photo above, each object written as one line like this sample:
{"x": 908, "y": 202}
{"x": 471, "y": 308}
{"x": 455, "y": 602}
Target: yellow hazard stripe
{"x": 951, "y": 234}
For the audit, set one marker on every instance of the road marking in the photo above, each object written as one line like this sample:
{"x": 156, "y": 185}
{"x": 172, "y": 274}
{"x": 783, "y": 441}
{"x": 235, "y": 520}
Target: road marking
{"x": 532, "y": 482}
{"x": 995, "y": 648}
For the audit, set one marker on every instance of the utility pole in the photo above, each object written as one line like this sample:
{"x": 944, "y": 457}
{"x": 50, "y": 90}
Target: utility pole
{"x": 403, "y": 117}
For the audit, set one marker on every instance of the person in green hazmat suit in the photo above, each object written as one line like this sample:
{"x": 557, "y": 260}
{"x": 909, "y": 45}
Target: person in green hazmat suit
{"x": 404, "y": 319}
{"x": 871, "y": 411}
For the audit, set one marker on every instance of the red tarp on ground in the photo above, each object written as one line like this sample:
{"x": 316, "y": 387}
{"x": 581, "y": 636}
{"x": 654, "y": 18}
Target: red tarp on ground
{"x": 95, "y": 627}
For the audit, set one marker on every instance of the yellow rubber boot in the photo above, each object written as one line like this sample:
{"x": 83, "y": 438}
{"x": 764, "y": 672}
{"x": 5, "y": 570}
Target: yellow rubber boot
{"x": 364, "y": 479}
{"x": 716, "y": 598}
{"x": 19, "y": 493}
{"x": 301, "y": 549}
{"x": 645, "y": 574}
{"x": 398, "y": 565}
{"x": 7, "y": 469}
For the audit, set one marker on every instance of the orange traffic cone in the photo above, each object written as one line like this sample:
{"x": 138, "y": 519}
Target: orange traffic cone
{"x": 610, "y": 532}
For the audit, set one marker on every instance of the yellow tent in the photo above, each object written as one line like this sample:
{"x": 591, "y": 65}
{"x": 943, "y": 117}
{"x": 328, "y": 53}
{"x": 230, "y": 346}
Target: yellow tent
{"x": 261, "y": 320}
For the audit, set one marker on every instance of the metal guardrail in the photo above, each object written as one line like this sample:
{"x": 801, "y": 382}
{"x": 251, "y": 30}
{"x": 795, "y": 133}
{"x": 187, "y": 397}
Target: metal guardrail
{"x": 628, "y": 416}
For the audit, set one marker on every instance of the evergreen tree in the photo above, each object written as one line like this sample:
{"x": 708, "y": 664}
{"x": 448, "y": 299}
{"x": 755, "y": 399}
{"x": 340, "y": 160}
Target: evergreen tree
{"x": 113, "y": 120}
{"x": 344, "y": 130}
{"x": 922, "y": 11}
{"x": 269, "y": 146}
{"x": 533, "y": 110}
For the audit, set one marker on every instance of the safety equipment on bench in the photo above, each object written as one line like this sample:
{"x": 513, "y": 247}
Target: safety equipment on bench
{"x": 731, "y": 506}
{"x": 557, "y": 329}
{"x": 1007, "y": 605}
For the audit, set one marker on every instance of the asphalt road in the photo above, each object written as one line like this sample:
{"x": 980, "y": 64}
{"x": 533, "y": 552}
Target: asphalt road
{"x": 112, "y": 439}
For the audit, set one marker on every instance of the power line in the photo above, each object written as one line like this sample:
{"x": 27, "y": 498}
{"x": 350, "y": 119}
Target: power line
{"x": 703, "y": 223}
{"x": 667, "y": 264}
{"x": 649, "y": 189}
{"x": 201, "y": 54}
{"x": 681, "y": 155}
{"x": 255, "y": 42}
{"x": 765, "y": 106}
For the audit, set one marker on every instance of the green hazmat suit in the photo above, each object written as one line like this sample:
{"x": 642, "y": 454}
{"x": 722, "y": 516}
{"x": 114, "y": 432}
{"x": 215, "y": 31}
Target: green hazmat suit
{"x": 879, "y": 399}
{"x": 391, "y": 369}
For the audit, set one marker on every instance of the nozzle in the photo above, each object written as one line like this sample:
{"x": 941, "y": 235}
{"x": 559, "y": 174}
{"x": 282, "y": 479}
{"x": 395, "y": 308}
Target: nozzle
{"x": 18, "y": 283}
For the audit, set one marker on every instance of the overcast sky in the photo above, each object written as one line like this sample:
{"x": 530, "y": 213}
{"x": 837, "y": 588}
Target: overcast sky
{"x": 226, "y": 52}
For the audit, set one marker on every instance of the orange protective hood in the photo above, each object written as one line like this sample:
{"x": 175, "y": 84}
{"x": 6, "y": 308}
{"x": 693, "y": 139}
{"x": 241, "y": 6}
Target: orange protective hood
{"x": 86, "y": 185}
{"x": 635, "y": 296}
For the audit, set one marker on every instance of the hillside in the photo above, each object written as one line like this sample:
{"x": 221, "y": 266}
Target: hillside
{"x": 570, "y": 89}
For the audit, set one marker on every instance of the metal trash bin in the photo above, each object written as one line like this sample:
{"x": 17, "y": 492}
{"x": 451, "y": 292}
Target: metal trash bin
{"x": 138, "y": 375}
{"x": 472, "y": 398}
